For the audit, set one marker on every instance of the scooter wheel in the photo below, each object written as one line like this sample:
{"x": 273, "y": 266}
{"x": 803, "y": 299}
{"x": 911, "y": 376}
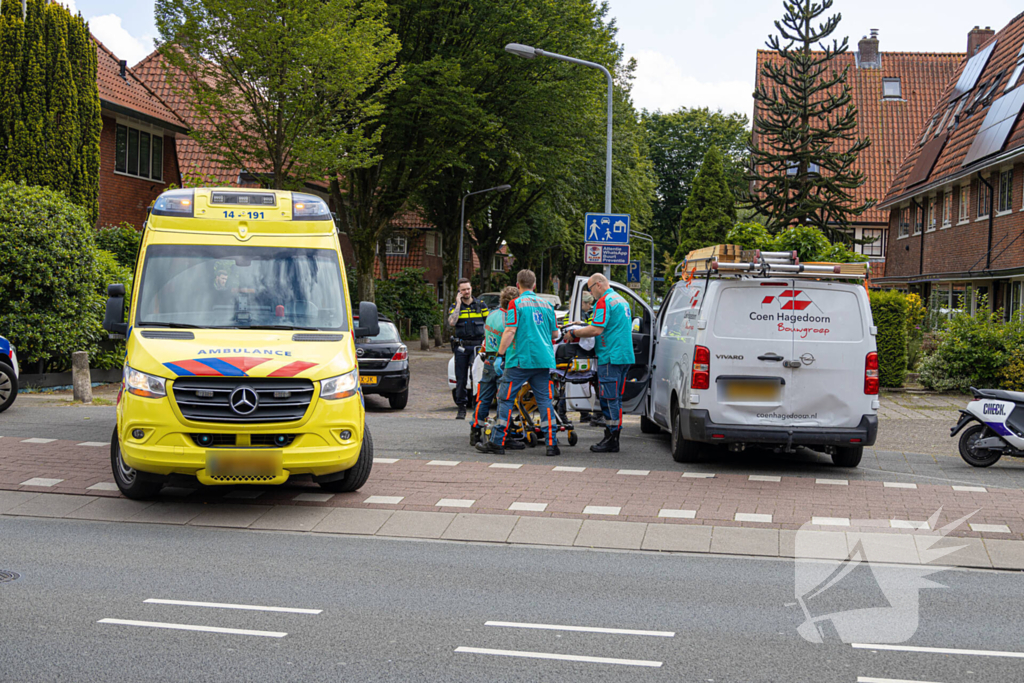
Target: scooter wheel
{"x": 969, "y": 451}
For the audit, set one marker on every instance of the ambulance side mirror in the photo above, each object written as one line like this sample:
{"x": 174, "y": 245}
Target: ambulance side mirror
{"x": 368, "y": 326}
{"x": 113, "y": 319}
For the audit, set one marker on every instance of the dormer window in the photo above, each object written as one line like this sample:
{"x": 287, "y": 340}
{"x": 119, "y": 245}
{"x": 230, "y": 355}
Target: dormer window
{"x": 892, "y": 89}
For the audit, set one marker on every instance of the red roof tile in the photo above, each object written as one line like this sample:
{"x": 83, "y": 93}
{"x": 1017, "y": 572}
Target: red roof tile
{"x": 963, "y": 128}
{"x": 131, "y": 92}
{"x": 890, "y": 124}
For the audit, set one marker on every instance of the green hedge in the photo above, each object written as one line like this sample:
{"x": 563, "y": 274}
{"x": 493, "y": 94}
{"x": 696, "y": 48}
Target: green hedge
{"x": 889, "y": 311}
{"x": 406, "y": 295}
{"x": 122, "y": 241}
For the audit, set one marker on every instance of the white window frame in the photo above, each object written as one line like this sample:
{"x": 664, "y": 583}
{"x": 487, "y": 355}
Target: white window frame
{"x": 428, "y": 243}
{"x": 965, "y": 206}
{"x": 155, "y": 132}
{"x": 903, "y": 223}
{"x": 392, "y": 243}
{"x": 918, "y": 212}
{"x": 932, "y": 219}
{"x": 899, "y": 88}
{"x": 983, "y": 194}
{"x": 498, "y": 262}
{"x": 1007, "y": 175}
{"x": 947, "y": 208}
{"x": 877, "y": 244}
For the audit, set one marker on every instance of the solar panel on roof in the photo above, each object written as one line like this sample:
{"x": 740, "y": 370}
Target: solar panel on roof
{"x": 972, "y": 71}
{"x": 926, "y": 161}
{"x": 996, "y": 127}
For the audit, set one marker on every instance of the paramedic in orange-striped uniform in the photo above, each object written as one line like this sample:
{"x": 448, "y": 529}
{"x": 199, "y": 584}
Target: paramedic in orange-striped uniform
{"x": 528, "y": 350}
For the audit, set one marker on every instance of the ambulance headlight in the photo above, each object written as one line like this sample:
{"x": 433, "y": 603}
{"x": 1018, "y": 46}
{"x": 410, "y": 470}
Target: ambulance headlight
{"x": 341, "y": 386}
{"x": 308, "y": 207}
{"x": 141, "y": 384}
{"x": 178, "y": 203}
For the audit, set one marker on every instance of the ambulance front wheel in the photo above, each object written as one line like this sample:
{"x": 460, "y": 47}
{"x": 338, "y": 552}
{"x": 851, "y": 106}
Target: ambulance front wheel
{"x": 128, "y": 480}
{"x": 356, "y": 476}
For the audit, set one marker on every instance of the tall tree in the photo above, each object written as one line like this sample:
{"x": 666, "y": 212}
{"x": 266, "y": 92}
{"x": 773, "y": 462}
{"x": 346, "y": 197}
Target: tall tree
{"x": 805, "y": 128}
{"x": 711, "y": 210}
{"x": 285, "y": 89}
{"x": 49, "y": 102}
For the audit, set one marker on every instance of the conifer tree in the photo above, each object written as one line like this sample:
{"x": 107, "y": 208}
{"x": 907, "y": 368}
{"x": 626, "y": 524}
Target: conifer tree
{"x": 711, "y": 209}
{"x": 805, "y": 127}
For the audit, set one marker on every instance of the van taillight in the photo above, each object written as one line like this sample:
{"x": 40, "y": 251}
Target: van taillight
{"x": 401, "y": 354}
{"x": 701, "y": 376}
{"x": 871, "y": 374}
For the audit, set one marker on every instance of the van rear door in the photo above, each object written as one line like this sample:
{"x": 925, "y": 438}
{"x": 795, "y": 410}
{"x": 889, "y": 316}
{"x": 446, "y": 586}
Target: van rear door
{"x": 830, "y": 332}
{"x": 750, "y": 381}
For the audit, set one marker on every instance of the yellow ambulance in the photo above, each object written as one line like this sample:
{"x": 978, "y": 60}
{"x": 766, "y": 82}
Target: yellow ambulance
{"x": 241, "y": 365}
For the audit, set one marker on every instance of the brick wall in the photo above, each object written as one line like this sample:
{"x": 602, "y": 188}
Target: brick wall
{"x": 124, "y": 198}
{"x": 960, "y": 248}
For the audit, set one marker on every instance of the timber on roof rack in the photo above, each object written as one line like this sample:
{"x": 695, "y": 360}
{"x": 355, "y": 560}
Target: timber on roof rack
{"x": 728, "y": 259}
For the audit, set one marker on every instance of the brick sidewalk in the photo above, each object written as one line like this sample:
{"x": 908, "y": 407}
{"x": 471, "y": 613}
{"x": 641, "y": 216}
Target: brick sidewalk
{"x": 545, "y": 489}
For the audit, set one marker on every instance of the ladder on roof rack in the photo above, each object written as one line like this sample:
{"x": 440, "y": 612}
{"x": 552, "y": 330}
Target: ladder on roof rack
{"x": 765, "y": 264}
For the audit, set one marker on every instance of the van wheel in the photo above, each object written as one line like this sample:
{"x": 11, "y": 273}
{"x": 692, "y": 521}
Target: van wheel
{"x": 682, "y": 450}
{"x": 398, "y": 401}
{"x": 848, "y": 456}
{"x": 360, "y": 472}
{"x": 127, "y": 479}
{"x": 8, "y": 386}
{"x": 649, "y": 426}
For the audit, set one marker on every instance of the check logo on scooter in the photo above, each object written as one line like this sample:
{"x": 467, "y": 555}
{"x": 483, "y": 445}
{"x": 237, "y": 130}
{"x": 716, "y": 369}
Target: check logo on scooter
{"x": 994, "y": 409}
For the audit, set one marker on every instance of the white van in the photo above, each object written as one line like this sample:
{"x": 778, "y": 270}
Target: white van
{"x": 774, "y": 360}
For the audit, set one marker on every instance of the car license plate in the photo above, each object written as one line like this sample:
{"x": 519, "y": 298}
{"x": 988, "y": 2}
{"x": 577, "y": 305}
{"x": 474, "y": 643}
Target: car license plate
{"x": 367, "y": 379}
{"x": 254, "y": 463}
{"x": 752, "y": 390}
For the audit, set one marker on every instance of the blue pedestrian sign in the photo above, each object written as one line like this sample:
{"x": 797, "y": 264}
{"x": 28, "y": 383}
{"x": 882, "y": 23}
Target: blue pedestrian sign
{"x": 606, "y": 228}
{"x": 633, "y": 272}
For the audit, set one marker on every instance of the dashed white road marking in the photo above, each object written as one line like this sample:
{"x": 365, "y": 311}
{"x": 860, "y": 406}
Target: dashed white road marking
{"x": 551, "y": 655}
{"x": 384, "y": 500}
{"x": 990, "y": 528}
{"x": 505, "y": 466}
{"x": 230, "y": 605}
{"x": 898, "y": 485}
{"x": 192, "y": 627}
{"x": 677, "y": 514}
{"x": 908, "y": 524}
{"x": 95, "y": 444}
{"x": 834, "y": 482}
{"x": 831, "y": 521}
{"x": 102, "y": 486}
{"x": 563, "y": 468}
{"x": 313, "y": 497}
{"x": 444, "y": 463}
{"x": 764, "y": 477}
{"x": 38, "y": 440}
{"x": 385, "y": 461}
{"x": 601, "y": 510}
{"x": 40, "y": 481}
{"x": 869, "y": 679}
{"x": 454, "y": 503}
{"x": 635, "y": 473}
{"x": 528, "y": 507}
{"x": 583, "y": 629}
{"x": 698, "y": 475}
{"x": 752, "y": 517}
{"x": 971, "y": 489}
{"x": 938, "y": 650}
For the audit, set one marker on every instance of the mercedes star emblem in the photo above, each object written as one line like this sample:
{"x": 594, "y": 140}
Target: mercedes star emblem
{"x": 243, "y": 400}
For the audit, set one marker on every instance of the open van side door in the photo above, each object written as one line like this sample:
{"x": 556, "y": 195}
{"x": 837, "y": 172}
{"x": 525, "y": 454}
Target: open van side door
{"x": 638, "y": 378}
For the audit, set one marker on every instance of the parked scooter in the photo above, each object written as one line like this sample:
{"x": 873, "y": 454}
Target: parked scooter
{"x": 999, "y": 430}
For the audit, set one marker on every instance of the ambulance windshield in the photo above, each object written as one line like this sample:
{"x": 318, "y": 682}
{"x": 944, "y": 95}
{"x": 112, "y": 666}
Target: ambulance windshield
{"x": 241, "y": 287}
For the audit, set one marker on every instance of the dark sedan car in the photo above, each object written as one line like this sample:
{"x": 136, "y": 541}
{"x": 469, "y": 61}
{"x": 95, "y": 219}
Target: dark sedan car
{"x": 384, "y": 365}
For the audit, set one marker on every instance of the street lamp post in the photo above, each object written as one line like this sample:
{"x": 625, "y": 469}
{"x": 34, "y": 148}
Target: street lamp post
{"x": 528, "y": 52}
{"x": 644, "y": 236}
{"x": 462, "y": 221}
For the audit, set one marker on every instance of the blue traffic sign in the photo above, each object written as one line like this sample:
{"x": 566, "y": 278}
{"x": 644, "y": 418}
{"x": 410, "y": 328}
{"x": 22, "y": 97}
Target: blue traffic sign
{"x": 606, "y": 228}
{"x": 633, "y": 272}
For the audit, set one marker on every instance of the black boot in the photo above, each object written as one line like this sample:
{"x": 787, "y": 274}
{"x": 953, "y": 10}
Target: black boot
{"x": 553, "y": 450}
{"x": 461, "y": 414}
{"x": 489, "y": 447}
{"x": 515, "y": 444}
{"x": 474, "y": 435}
{"x": 609, "y": 444}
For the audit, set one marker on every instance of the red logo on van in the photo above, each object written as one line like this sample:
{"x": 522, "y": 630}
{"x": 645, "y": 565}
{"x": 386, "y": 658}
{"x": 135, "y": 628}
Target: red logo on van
{"x": 790, "y": 300}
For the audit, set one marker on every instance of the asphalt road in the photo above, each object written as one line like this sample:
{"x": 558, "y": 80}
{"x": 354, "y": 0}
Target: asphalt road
{"x": 395, "y": 610}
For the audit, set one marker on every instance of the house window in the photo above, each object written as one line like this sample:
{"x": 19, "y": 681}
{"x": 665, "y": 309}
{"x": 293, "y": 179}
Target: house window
{"x": 891, "y": 89}
{"x": 877, "y": 247}
{"x": 1006, "y": 190}
{"x": 965, "y": 203}
{"x": 138, "y": 153}
{"x": 1013, "y": 310}
{"x": 793, "y": 166}
{"x": 932, "y": 218}
{"x": 947, "y": 209}
{"x": 918, "y": 219}
{"x": 983, "y": 205}
{"x": 498, "y": 263}
{"x": 904, "y": 222}
{"x": 397, "y": 245}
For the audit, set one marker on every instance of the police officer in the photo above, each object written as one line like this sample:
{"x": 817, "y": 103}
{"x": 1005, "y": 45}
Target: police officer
{"x": 467, "y": 316}
{"x": 613, "y": 329}
{"x": 527, "y": 345}
{"x": 493, "y": 369}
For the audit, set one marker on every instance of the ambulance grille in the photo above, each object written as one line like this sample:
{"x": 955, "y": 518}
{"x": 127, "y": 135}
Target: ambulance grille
{"x": 207, "y": 399}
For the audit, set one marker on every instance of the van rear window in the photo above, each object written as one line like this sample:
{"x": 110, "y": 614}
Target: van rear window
{"x": 806, "y": 311}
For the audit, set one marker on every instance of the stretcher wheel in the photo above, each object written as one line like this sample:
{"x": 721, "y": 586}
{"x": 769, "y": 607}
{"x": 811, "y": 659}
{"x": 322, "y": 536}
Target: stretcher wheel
{"x": 573, "y": 439}
{"x": 531, "y": 439}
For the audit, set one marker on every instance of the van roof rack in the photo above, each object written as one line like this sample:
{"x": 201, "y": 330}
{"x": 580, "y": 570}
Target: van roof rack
{"x": 729, "y": 259}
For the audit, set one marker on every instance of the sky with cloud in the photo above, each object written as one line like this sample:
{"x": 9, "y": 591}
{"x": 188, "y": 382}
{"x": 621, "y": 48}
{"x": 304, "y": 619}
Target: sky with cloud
{"x": 690, "y": 53}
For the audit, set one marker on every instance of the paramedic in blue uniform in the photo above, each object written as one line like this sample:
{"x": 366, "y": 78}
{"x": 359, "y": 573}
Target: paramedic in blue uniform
{"x": 527, "y": 345}
{"x": 467, "y": 316}
{"x": 492, "y": 366}
{"x": 613, "y": 329}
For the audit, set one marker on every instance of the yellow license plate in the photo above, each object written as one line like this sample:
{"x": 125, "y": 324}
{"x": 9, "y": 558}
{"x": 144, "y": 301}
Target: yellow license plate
{"x": 753, "y": 391}
{"x": 254, "y": 463}
{"x": 367, "y": 379}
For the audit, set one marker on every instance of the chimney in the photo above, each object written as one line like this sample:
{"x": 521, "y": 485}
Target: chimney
{"x": 124, "y": 68}
{"x": 978, "y": 37}
{"x": 868, "y": 51}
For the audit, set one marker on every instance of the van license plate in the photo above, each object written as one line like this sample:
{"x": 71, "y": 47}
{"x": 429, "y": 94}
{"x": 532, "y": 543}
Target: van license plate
{"x": 752, "y": 391}
{"x": 367, "y": 379}
{"x": 243, "y": 463}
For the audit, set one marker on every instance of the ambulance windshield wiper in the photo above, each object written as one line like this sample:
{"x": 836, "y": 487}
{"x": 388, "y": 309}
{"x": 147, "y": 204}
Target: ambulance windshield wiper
{"x": 280, "y": 327}
{"x": 159, "y": 324}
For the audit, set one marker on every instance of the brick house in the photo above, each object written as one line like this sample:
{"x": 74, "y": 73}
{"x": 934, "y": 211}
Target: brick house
{"x": 956, "y": 206}
{"x": 138, "y": 143}
{"x": 895, "y": 93}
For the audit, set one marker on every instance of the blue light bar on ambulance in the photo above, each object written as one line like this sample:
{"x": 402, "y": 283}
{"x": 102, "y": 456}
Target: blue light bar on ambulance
{"x": 257, "y": 199}
{"x": 178, "y": 203}
{"x": 308, "y": 207}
